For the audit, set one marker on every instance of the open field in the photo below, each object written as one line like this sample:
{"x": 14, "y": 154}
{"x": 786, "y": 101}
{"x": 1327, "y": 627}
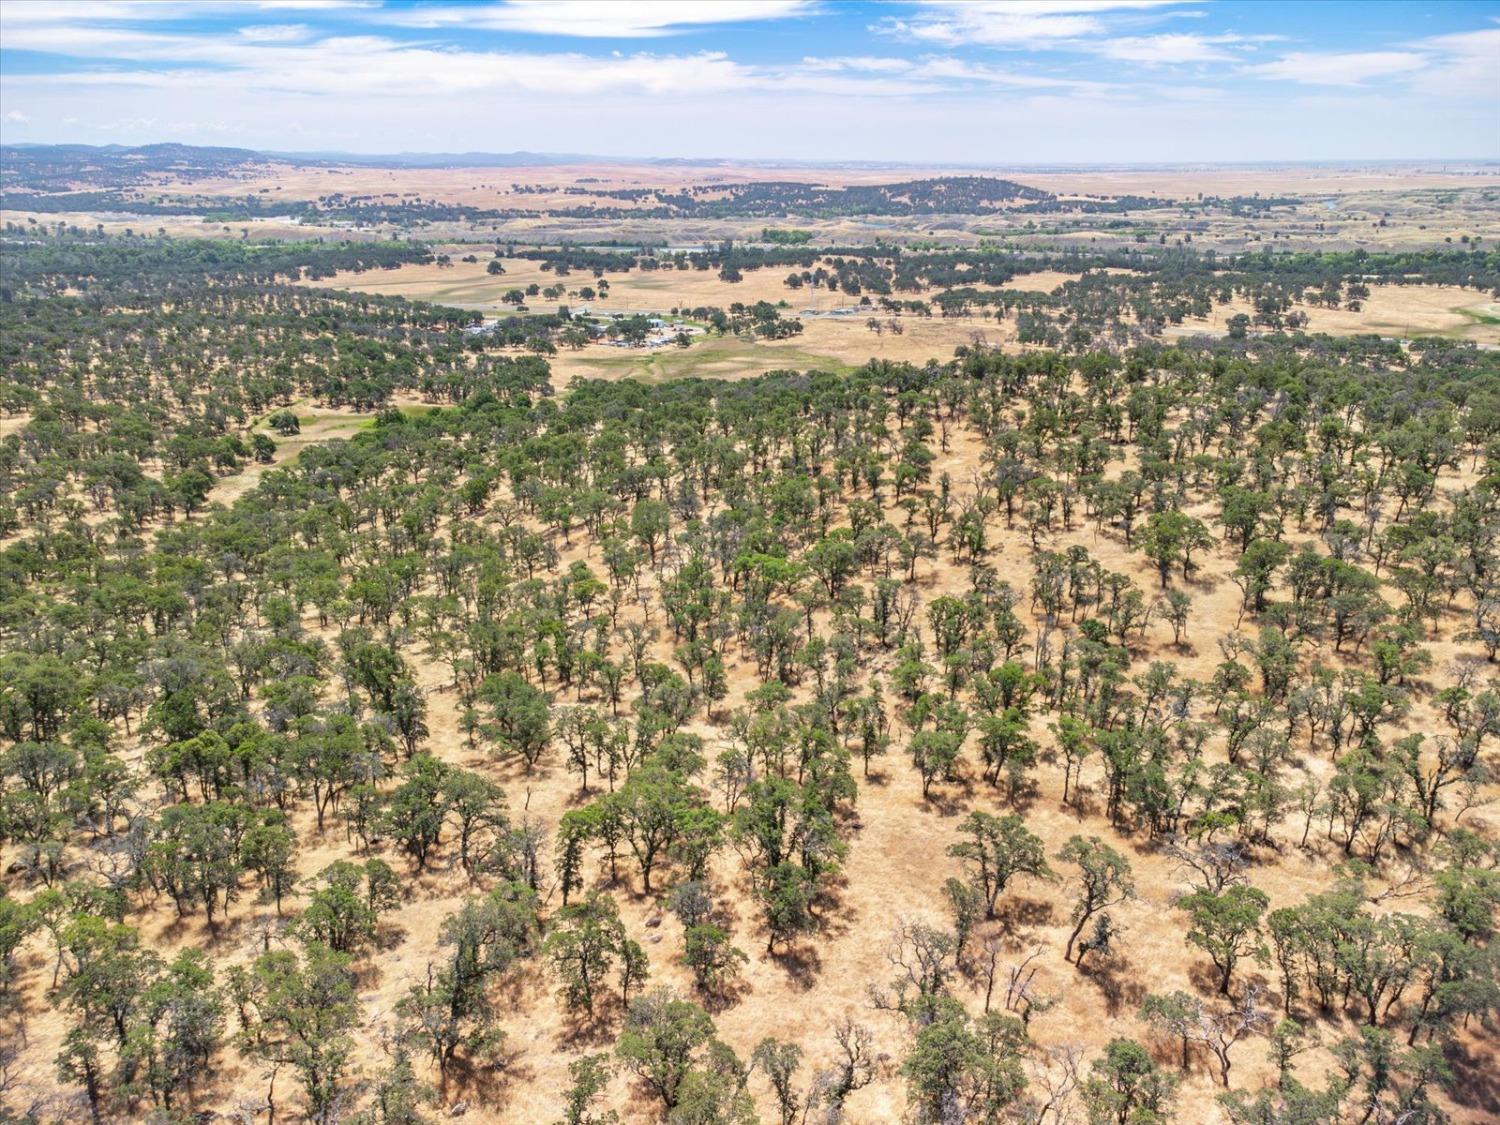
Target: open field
{"x": 1339, "y": 206}
{"x": 317, "y": 426}
{"x": 496, "y": 187}
{"x": 1400, "y": 311}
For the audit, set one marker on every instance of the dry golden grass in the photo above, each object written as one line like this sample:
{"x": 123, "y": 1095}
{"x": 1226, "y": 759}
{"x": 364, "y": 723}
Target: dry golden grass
{"x": 493, "y": 187}
{"x": 1391, "y": 310}
{"x": 1403, "y": 311}
{"x": 1344, "y": 206}
{"x": 317, "y": 426}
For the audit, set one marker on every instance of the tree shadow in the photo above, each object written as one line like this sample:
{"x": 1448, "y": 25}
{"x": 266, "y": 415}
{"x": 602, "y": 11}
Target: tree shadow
{"x": 487, "y": 1081}
{"x": 1083, "y": 806}
{"x": 1476, "y": 1079}
{"x": 389, "y": 935}
{"x": 195, "y": 928}
{"x": 1166, "y": 1051}
{"x": 954, "y": 798}
{"x": 1014, "y": 912}
{"x": 800, "y": 962}
{"x": 1021, "y": 799}
{"x": 1204, "y": 977}
{"x": 1122, "y": 990}
{"x": 642, "y": 1102}
{"x": 366, "y": 975}
{"x": 726, "y": 995}
{"x": 584, "y": 1030}
{"x": 1203, "y": 581}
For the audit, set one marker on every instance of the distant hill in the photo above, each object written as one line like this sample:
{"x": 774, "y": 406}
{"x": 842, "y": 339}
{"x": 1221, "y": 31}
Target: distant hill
{"x": 59, "y": 168}
{"x": 52, "y": 168}
{"x": 439, "y": 159}
{"x": 65, "y": 177}
{"x": 41, "y": 167}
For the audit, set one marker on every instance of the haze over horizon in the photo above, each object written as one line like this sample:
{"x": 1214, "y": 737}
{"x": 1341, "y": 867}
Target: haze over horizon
{"x": 1073, "y": 81}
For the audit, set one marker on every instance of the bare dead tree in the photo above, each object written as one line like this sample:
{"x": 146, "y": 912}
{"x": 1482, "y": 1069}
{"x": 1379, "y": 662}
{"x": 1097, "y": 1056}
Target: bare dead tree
{"x": 1409, "y": 883}
{"x": 923, "y": 957}
{"x": 989, "y": 967}
{"x": 1055, "y": 1075}
{"x": 1213, "y": 866}
{"x": 1019, "y": 988}
{"x": 854, "y": 1071}
{"x": 1220, "y": 1030}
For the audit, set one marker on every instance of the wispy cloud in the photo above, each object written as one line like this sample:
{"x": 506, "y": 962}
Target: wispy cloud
{"x": 1456, "y": 64}
{"x": 1171, "y": 49}
{"x": 16, "y": 12}
{"x": 289, "y": 58}
{"x": 275, "y": 33}
{"x": 941, "y": 71}
{"x": 1013, "y": 23}
{"x": 312, "y": 5}
{"x": 1086, "y": 27}
{"x": 598, "y": 19}
{"x": 375, "y": 66}
{"x": 1467, "y": 64}
{"x": 1348, "y": 68}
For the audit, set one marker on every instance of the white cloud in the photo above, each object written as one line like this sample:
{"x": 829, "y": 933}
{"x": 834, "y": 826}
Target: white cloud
{"x": 946, "y": 70}
{"x": 1484, "y": 43}
{"x": 1169, "y": 50}
{"x": 1468, "y": 65}
{"x": 958, "y": 70}
{"x": 274, "y": 33}
{"x": 599, "y": 19}
{"x": 313, "y": 5}
{"x": 283, "y": 58}
{"x": 19, "y": 13}
{"x": 863, "y": 63}
{"x": 1349, "y": 68}
{"x": 62, "y": 11}
{"x": 16, "y": 117}
{"x": 372, "y": 66}
{"x": 1013, "y": 23}
{"x": 1463, "y": 64}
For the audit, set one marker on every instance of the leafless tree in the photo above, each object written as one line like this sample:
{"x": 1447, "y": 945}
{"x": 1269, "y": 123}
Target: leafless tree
{"x": 923, "y": 957}
{"x": 854, "y": 1071}
{"x": 1055, "y": 1076}
{"x": 1215, "y": 866}
{"x": 1221, "y": 1029}
{"x": 1020, "y": 993}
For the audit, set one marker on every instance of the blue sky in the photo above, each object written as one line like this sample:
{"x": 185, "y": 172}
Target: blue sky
{"x": 976, "y": 82}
